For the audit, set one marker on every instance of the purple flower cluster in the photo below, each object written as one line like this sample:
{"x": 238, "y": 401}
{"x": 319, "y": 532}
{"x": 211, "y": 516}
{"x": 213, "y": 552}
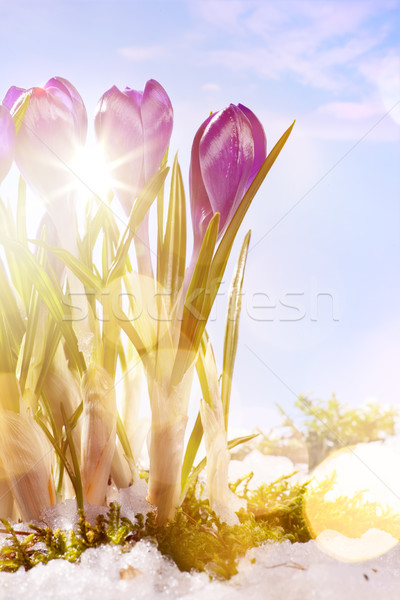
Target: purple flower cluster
{"x": 134, "y": 130}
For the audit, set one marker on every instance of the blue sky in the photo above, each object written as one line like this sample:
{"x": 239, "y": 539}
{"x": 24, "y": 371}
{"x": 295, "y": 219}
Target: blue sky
{"x": 322, "y": 290}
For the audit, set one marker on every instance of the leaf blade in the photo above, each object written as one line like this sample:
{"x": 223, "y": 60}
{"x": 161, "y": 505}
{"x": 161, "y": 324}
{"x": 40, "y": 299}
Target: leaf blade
{"x": 232, "y": 327}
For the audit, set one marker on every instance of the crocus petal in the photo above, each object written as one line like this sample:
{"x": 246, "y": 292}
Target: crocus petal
{"x": 46, "y": 144}
{"x": 119, "y": 129}
{"x": 199, "y": 202}
{"x": 71, "y": 95}
{"x": 226, "y": 154}
{"x": 7, "y": 141}
{"x": 260, "y": 142}
{"x": 157, "y": 118}
{"x": 136, "y": 96}
{"x": 12, "y": 96}
{"x": 134, "y": 129}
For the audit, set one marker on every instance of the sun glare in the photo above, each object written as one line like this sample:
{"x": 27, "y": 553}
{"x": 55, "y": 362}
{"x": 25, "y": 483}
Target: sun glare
{"x": 92, "y": 173}
{"x": 353, "y": 502}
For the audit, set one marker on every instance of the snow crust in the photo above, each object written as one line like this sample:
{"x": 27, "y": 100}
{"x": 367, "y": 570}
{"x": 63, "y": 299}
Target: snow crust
{"x": 265, "y": 468}
{"x": 274, "y": 571}
{"x": 290, "y": 571}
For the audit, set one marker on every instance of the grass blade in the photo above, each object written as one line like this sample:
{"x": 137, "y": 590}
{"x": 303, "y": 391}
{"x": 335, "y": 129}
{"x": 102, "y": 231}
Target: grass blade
{"x": 191, "y": 450}
{"x": 194, "y": 319}
{"x": 232, "y": 328}
{"x": 139, "y": 211}
{"x": 173, "y": 259}
{"x": 202, "y": 464}
{"x": 35, "y": 274}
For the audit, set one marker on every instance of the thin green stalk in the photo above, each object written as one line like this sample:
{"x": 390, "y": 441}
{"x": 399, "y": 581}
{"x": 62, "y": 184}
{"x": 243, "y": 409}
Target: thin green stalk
{"x": 77, "y": 471}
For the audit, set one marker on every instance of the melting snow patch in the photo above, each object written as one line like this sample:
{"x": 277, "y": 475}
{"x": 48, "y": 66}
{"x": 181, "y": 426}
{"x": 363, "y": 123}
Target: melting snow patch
{"x": 280, "y": 570}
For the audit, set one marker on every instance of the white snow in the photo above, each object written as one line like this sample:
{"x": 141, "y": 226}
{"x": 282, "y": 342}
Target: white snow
{"x": 274, "y": 571}
{"x": 266, "y": 468}
{"x": 281, "y": 571}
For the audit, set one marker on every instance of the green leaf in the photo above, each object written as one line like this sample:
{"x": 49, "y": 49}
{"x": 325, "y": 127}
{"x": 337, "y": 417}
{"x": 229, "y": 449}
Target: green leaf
{"x": 90, "y": 281}
{"x": 231, "y": 444}
{"x": 77, "y": 482}
{"x": 160, "y": 220}
{"x": 37, "y": 276}
{"x": 59, "y": 451}
{"x": 7, "y": 361}
{"x": 135, "y": 338}
{"x": 53, "y": 337}
{"x": 193, "y": 318}
{"x": 8, "y": 231}
{"x": 232, "y": 328}
{"x": 139, "y": 211}
{"x": 241, "y": 440}
{"x": 191, "y": 450}
{"x": 123, "y": 438}
{"x": 102, "y": 219}
{"x": 11, "y": 312}
{"x": 207, "y": 370}
{"x": 21, "y": 212}
{"x": 31, "y": 330}
{"x": 173, "y": 259}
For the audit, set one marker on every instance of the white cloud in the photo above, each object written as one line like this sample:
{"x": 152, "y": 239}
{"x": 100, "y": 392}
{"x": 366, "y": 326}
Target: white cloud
{"x": 351, "y": 111}
{"x": 351, "y": 121}
{"x": 384, "y": 73}
{"x": 325, "y": 45}
{"x": 321, "y": 19}
{"x": 225, "y": 13}
{"x": 298, "y": 55}
{"x": 210, "y": 86}
{"x": 142, "y": 53}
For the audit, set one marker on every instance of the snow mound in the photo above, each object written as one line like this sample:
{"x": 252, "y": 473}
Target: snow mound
{"x": 284, "y": 570}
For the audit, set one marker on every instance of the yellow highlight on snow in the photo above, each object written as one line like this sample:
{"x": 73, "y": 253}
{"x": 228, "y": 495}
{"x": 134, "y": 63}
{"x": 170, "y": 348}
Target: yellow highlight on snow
{"x": 352, "y": 505}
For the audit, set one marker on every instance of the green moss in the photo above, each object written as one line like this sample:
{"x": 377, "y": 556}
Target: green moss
{"x": 197, "y": 539}
{"x": 18, "y": 552}
{"x": 277, "y": 506}
{"x": 44, "y": 544}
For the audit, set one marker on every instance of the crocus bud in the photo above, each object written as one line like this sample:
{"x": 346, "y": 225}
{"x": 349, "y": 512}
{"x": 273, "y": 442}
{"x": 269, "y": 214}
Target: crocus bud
{"x": 134, "y": 130}
{"x": 52, "y": 132}
{"x": 228, "y": 150}
{"x": 7, "y": 141}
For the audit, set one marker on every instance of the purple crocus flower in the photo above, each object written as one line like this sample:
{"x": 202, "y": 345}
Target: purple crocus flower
{"x": 134, "y": 129}
{"x": 228, "y": 150}
{"x": 52, "y": 132}
{"x": 7, "y": 141}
